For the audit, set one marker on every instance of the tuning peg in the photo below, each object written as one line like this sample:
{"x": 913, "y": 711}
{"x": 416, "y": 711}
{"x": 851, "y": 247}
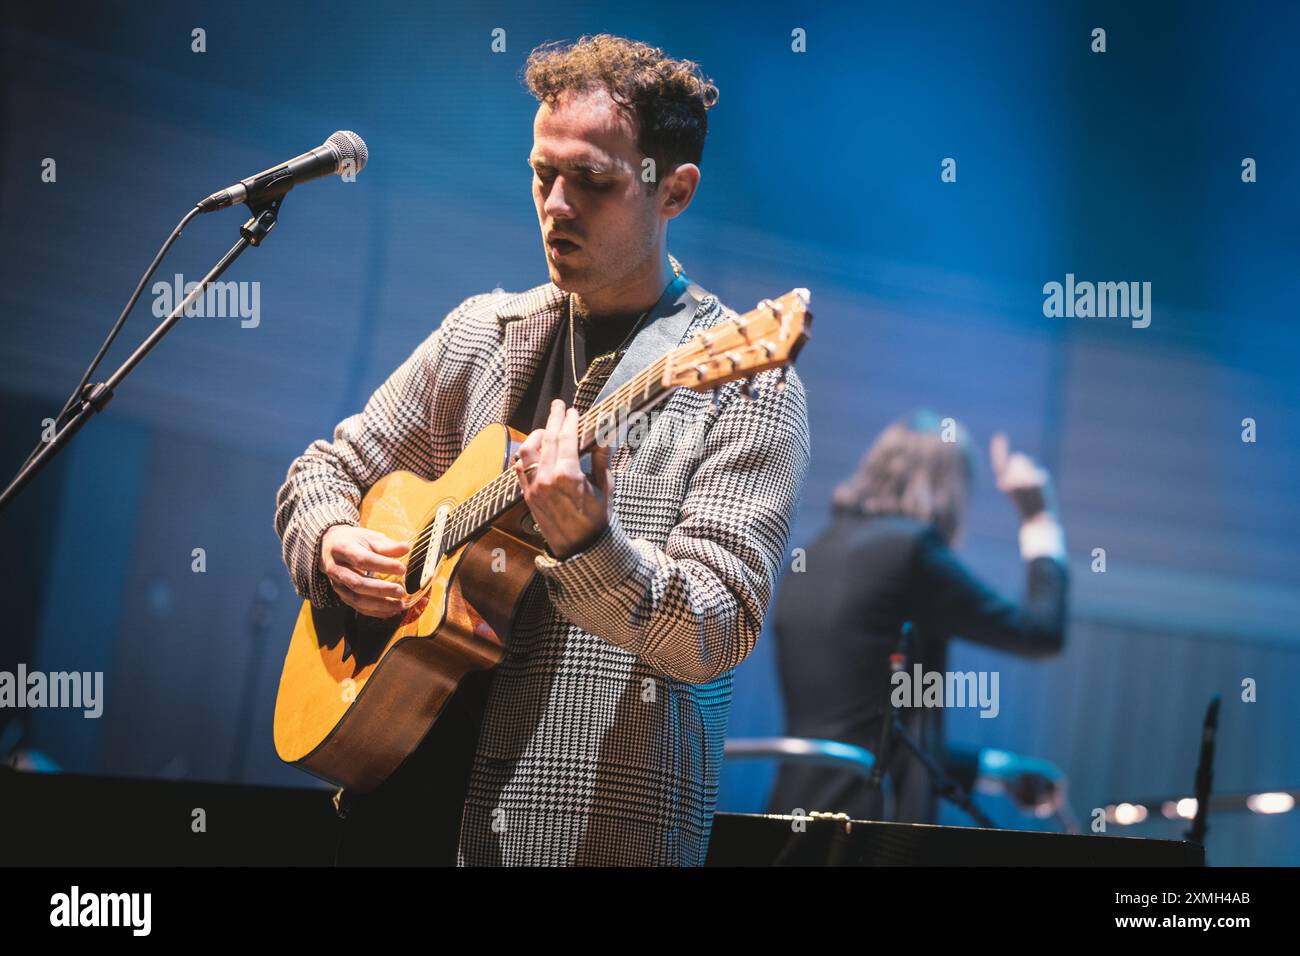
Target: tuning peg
{"x": 780, "y": 380}
{"x": 714, "y": 404}
{"x": 747, "y": 389}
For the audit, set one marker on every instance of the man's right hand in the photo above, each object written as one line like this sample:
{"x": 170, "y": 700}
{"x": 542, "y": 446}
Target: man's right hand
{"x": 347, "y": 553}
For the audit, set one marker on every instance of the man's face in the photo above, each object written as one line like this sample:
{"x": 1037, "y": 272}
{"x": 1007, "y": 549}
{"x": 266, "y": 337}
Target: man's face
{"x": 599, "y": 221}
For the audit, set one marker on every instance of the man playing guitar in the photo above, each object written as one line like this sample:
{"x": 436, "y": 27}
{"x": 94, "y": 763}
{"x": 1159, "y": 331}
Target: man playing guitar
{"x": 598, "y": 738}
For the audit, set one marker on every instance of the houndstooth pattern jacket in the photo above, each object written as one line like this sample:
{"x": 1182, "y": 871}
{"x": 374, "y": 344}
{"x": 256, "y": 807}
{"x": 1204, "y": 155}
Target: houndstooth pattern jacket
{"x": 602, "y": 738}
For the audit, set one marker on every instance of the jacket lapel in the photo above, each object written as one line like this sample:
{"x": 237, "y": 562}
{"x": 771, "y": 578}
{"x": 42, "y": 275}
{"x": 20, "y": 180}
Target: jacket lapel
{"x": 671, "y": 317}
{"x": 528, "y": 320}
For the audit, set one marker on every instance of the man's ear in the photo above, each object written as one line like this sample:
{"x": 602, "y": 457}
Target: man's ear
{"x": 678, "y": 189}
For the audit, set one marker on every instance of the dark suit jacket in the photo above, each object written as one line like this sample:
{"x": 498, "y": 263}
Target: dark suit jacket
{"x": 837, "y": 623}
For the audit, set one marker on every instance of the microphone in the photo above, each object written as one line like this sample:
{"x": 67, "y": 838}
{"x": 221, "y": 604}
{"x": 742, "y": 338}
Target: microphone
{"x": 344, "y": 152}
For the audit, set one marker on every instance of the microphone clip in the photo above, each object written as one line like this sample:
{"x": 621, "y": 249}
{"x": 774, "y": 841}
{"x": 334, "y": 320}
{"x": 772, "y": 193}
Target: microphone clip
{"x": 265, "y": 212}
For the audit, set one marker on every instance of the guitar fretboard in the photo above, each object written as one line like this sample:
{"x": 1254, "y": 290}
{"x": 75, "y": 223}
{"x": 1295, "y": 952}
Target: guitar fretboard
{"x": 503, "y": 492}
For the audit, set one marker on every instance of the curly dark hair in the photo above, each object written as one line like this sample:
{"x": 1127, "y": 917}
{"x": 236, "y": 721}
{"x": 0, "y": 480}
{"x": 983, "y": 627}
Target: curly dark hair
{"x": 669, "y": 99}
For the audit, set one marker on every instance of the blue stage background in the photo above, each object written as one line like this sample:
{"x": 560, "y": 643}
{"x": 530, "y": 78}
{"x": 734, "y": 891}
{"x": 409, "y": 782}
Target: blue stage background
{"x": 822, "y": 169}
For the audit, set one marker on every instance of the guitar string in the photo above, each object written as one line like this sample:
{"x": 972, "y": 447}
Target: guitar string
{"x": 464, "y": 513}
{"x": 501, "y": 485}
{"x": 502, "y": 482}
{"x": 460, "y": 520}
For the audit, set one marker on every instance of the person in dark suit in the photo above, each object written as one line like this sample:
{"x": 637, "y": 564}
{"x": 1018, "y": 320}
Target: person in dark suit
{"x": 886, "y": 558}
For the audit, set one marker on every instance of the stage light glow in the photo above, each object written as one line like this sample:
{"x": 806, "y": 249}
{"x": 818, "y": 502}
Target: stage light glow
{"x": 1127, "y": 814}
{"x": 1270, "y": 802}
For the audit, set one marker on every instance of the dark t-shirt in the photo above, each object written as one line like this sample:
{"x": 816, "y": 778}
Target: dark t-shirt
{"x": 556, "y": 374}
{"x": 414, "y": 816}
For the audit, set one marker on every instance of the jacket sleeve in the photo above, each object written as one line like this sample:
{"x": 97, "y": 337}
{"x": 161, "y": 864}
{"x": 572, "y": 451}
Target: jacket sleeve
{"x": 693, "y": 609}
{"x": 950, "y": 600}
{"x": 325, "y": 483}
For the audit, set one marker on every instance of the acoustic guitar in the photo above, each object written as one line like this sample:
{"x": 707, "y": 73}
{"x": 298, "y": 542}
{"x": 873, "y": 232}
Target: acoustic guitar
{"x": 358, "y": 694}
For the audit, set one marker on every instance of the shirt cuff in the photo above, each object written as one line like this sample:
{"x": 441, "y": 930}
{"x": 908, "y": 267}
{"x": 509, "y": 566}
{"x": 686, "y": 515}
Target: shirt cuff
{"x": 609, "y": 560}
{"x": 320, "y": 591}
{"x": 1042, "y": 537}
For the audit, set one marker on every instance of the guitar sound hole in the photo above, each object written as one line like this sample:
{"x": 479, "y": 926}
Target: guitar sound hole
{"x": 415, "y": 570}
{"x": 412, "y": 580}
{"x": 428, "y": 546}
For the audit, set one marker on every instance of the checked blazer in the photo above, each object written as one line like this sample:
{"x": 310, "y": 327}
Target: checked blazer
{"x": 602, "y": 738}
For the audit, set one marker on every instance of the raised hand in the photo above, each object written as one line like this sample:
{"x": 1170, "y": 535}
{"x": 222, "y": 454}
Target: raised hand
{"x": 1028, "y": 486}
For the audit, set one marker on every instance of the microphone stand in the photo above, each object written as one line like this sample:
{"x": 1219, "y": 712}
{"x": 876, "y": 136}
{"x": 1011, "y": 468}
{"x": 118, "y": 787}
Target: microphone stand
{"x": 889, "y": 725}
{"x": 96, "y": 396}
{"x": 892, "y": 730}
{"x": 943, "y": 786}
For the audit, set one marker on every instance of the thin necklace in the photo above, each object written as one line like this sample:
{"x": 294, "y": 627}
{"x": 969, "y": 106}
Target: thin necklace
{"x": 573, "y": 358}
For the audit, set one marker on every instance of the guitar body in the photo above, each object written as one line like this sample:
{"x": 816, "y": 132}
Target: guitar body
{"x": 358, "y": 694}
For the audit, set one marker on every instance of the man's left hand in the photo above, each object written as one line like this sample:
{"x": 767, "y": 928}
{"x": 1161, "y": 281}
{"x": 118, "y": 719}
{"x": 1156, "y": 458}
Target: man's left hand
{"x": 569, "y": 508}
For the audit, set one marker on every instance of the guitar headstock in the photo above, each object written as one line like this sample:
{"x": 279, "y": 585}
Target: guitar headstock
{"x": 769, "y": 336}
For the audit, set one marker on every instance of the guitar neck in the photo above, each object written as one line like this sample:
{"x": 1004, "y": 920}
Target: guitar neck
{"x": 765, "y": 338}
{"x": 643, "y": 391}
